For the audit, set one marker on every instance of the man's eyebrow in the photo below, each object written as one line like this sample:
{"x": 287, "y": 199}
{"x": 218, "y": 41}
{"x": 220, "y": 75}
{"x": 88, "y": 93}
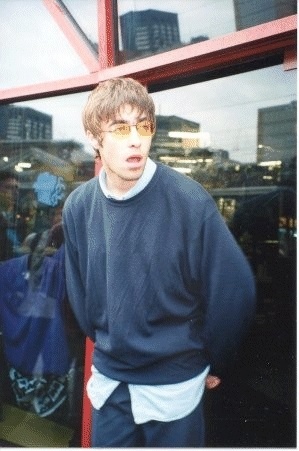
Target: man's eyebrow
{"x": 122, "y": 121}
{"x": 118, "y": 121}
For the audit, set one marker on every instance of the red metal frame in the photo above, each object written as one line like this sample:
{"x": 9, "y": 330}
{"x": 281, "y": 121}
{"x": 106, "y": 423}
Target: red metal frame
{"x": 86, "y": 407}
{"x": 272, "y": 38}
{"x": 106, "y": 33}
{"x": 290, "y": 59}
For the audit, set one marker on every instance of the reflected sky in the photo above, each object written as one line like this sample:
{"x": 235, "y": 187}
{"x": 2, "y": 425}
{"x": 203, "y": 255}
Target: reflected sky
{"x": 45, "y": 54}
{"x": 33, "y": 48}
{"x": 226, "y": 108}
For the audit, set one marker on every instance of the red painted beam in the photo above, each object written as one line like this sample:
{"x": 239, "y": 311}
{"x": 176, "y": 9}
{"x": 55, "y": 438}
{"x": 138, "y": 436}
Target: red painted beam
{"x": 49, "y": 89}
{"x": 106, "y": 32}
{"x": 290, "y": 58}
{"x": 226, "y": 51}
{"x": 86, "y": 408}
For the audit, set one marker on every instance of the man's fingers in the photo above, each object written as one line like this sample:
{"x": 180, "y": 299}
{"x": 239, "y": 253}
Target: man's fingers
{"x": 212, "y": 382}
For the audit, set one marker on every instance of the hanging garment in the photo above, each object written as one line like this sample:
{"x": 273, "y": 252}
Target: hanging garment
{"x": 32, "y": 316}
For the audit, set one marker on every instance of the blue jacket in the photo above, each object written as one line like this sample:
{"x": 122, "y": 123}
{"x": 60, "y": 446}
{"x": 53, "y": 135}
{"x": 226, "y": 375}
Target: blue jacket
{"x": 156, "y": 281}
{"x": 32, "y": 318}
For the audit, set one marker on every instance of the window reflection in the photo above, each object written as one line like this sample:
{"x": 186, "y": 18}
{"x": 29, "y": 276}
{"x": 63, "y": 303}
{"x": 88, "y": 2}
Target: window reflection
{"x": 54, "y": 56}
{"x": 83, "y": 14}
{"x": 248, "y": 14}
{"x": 231, "y": 137}
{"x": 149, "y": 26}
{"x": 41, "y": 346}
{"x": 235, "y": 135}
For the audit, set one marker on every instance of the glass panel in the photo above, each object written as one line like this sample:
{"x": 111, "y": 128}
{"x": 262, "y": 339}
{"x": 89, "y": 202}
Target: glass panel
{"x": 85, "y": 14}
{"x": 237, "y": 137}
{"x": 42, "y": 158}
{"x": 152, "y": 26}
{"x": 54, "y": 57}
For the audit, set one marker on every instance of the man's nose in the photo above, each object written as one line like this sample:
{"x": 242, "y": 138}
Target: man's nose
{"x": 134, "y": 136}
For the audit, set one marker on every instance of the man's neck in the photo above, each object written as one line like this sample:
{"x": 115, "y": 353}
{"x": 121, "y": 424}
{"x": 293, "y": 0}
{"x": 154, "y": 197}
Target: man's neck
{"x": 128, "y": 188}
{"x": 120, "y": 189}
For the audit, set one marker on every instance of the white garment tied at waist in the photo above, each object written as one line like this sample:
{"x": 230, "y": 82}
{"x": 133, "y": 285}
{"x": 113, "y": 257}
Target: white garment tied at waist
{"x": 151, "y": 402}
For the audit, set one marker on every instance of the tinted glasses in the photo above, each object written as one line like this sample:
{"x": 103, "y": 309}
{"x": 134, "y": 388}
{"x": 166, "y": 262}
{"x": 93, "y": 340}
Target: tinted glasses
{"x": 144, "y": 128}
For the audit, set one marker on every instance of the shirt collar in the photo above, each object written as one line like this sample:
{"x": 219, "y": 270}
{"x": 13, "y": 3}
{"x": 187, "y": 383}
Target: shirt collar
{"x": 149, "y": 170}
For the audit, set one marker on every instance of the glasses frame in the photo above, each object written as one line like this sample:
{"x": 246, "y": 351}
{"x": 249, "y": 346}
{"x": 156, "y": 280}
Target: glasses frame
{"x": 118, "y": 134}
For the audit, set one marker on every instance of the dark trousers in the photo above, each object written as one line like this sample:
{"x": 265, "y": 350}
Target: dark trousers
{"x": 113, "y": 426}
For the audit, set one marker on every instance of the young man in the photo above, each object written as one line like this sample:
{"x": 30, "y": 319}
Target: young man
{"x": 155, "y": 279}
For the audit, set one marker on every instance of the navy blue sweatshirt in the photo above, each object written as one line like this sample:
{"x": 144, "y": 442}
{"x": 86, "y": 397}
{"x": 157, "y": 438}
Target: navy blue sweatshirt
{"x": 156, "y": 281}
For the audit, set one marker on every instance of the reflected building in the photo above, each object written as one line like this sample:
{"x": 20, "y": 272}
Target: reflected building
{"x": 65, "y": 158}
{"x": 249, "y": 14}
{"x": 180, "y": 144}
{"x": 174, "y": 136}
{"x": 27, "y": 147}
{"x": 200, "y": 38}
{"x": 149, "y": 31}
{"x": 277, "y": 133}
{"x": 23, "y": 124}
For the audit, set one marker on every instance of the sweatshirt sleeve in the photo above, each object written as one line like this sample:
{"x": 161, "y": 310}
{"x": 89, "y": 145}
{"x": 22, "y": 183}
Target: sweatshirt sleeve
{"x": 74, "y": 283}
{"x": 228, "y": 293}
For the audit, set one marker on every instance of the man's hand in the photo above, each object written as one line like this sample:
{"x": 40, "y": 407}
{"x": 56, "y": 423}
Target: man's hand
{"x": 212, "y": 382}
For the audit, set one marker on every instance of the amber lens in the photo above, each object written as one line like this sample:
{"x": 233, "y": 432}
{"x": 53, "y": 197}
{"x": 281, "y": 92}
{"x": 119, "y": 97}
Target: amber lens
{"x": 122, "y": 130}
{"x": 145, "y": 128}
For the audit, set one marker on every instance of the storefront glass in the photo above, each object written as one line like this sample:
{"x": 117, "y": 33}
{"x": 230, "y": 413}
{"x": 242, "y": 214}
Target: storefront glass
{"x": 148, "y": 27}
{"x": 143, "y": 28}
{"x": 235, "y": 135}
{"x": 42, "y": 159}
{"x": 34, "y": 49}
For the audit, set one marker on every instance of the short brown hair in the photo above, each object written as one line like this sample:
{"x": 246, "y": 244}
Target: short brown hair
{"x": 105, "y": 101}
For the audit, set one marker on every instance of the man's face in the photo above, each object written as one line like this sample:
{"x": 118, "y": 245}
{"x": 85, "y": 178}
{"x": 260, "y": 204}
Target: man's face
{"x": 123, "y": 157}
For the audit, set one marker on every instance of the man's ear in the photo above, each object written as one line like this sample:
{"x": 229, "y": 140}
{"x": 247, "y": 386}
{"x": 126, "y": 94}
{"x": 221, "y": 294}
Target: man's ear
{"x": 93, "y": 141}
